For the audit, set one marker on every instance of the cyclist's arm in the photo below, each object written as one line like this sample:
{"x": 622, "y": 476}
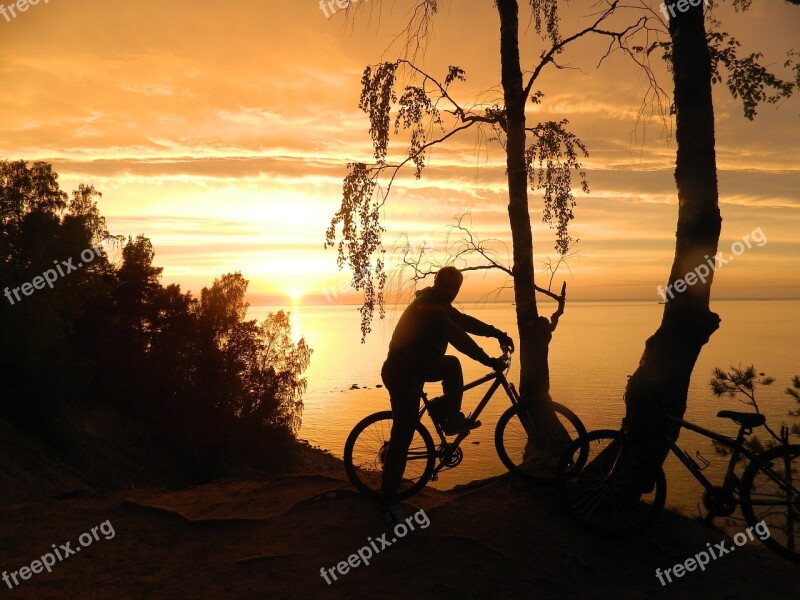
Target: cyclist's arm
{"x": 472, "y": 325}
{"x": 463, "y": 343}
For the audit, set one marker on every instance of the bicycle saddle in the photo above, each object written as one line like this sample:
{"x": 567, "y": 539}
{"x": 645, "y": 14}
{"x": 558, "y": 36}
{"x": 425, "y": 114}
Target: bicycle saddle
{"x": 743, "y": 419}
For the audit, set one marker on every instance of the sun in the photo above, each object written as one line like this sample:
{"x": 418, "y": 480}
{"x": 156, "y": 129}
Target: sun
{"x": 295, "y": 294}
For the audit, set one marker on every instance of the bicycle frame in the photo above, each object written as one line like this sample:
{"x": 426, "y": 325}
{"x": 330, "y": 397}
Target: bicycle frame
{"x": 695, "y": 469}
{"x": 737, "y": 448}
{"x": 499, "y": 381}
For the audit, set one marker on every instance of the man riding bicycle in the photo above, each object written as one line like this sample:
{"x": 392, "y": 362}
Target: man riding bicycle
{"x": 417, "y": 355}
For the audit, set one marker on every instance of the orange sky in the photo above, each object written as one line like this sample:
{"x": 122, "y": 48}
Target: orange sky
{"x": 222, "y": 130}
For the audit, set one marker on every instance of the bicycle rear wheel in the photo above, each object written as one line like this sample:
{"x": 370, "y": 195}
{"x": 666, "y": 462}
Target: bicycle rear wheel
{"x": 529, "y": 451}
{"x": 771, "y": 493}
{"x": 365, "y": 448}
{"x": 597, "y": 486}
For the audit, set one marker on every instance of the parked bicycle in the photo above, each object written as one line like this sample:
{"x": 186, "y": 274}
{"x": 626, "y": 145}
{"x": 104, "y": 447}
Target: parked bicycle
{"x": 597, "y": 477}
{"x": 517, "y": 432}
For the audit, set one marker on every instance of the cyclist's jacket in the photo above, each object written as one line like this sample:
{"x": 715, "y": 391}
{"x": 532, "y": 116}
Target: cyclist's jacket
{"x": 425, "y": 329}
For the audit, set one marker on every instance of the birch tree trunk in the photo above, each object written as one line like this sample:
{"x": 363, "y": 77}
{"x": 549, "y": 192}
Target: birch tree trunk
{"x": 534, "y": 332}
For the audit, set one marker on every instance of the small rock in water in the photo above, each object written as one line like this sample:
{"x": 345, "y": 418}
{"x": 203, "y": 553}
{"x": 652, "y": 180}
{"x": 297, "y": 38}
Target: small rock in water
{"x": 476, "y": 443}
{"x": 355, "y": 387}
{"x": 379, "y": 386}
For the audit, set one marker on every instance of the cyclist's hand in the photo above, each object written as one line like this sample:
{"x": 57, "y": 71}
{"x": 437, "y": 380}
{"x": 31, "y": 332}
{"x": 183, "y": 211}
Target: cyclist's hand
{"x": 506, "y": 342}
{"x": 497, "y": 364}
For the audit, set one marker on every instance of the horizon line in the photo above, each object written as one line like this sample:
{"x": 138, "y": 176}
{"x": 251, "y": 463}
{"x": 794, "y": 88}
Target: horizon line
{"x": 292, "y": 302}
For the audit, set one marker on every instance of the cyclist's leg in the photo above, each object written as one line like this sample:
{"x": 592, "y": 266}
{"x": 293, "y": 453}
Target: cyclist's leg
{"x": 404, "y": 395}
{"x": 448, "y": 371}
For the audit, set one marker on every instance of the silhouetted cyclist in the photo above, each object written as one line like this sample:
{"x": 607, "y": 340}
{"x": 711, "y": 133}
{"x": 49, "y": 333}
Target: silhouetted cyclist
{"x": 417, "y": 354}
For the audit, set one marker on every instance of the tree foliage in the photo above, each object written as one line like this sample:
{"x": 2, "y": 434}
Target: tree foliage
{"x": 427, "y": 112}
{"x": 550, "y": 161}
{"x": 746, "y": 78}
{"x": 223, "y": 390}
{"x": 742, "y": 384}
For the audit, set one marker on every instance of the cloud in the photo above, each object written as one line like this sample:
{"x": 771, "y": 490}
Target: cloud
{"x": 222, "y": 131}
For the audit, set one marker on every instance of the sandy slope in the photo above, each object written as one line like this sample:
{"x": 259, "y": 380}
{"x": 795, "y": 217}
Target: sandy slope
{"x": 269, "y": 539}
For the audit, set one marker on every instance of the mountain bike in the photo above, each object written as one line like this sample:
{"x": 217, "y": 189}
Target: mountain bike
{"x": 597, "y": 483}
{"x": 521, "y": 435}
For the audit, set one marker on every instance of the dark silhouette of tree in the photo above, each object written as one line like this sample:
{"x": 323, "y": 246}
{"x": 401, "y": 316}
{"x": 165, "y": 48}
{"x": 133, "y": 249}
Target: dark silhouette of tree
{"x": 137, "y": 293}
{"x": 217, "y": 391}
{"x": 36, "y": 361}
{"x": 660, "y": 384}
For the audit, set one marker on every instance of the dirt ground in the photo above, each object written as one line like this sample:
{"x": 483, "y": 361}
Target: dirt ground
{"x": 270, "y": 538}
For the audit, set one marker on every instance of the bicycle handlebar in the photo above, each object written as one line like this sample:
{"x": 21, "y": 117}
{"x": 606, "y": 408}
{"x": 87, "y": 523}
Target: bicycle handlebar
{"x": 506, "y": 358}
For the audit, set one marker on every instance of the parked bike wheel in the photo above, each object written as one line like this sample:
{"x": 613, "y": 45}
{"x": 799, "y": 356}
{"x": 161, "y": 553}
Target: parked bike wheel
{"x": 365, "y": 448}
{"x": 596, "y": 483}
{"x": 771, "y": 493}
{"x": 524, "y": 448}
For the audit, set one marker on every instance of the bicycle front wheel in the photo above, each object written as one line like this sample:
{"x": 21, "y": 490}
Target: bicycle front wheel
{"x": 531, "y": 450}
{"x": 597, "y": 484}
{"x": 771, "y": 493}
{"x": 364, "y": 452}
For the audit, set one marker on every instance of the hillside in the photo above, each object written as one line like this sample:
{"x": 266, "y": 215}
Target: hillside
{"x": 270, "y": 538}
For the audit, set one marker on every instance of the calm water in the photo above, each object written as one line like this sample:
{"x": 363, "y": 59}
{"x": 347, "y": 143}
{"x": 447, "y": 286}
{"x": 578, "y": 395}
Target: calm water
{"x": 596, "y": 346}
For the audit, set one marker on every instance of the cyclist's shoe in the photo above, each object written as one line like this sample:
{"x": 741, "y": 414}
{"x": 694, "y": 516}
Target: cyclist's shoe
{"x": 458, "y": 423}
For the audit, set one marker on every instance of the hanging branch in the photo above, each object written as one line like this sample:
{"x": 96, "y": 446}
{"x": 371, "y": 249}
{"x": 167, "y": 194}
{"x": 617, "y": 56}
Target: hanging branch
{"x": 420, "y": 109}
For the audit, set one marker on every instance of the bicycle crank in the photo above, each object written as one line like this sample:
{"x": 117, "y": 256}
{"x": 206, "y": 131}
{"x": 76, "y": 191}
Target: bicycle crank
{"x": 451, "y": 456}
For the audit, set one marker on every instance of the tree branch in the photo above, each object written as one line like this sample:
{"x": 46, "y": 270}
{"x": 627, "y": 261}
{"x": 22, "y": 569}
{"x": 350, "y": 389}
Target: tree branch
{"x": 556, "y": 48}
{"x": 561, "y": 299}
